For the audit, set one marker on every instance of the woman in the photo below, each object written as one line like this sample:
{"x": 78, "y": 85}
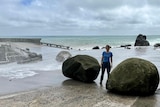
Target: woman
{"x": 106, "y": 62}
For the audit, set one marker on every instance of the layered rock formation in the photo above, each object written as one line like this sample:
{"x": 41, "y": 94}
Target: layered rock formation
{"x": 14, "y": 54}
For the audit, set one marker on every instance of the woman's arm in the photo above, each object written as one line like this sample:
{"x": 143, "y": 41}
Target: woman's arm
{"x": 102, "y": 60}
{"x": 111, "y": 59}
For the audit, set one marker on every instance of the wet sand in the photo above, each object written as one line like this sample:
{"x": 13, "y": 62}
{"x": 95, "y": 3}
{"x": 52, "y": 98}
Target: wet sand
{"x": 52, "y": 89}
{"x": 41, "y": 79}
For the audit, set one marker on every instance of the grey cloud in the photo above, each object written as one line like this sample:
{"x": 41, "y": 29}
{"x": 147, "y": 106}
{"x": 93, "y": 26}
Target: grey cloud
{"x": 135, "y": 3}
{"x": 80, "y": 16}
{"x": 92, "y": 4}
{"x": 154, "y": 2}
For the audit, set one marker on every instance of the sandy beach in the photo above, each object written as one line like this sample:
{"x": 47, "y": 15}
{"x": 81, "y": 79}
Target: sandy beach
{"x": 52, "y": 89}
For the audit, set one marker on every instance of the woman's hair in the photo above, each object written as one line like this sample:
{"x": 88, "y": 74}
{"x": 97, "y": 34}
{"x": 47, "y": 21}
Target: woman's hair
{"x": 108, "y": 46}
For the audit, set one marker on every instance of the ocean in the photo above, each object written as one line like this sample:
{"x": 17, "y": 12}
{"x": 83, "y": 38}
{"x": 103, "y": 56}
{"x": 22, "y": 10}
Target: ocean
{"x": 88, "y": 42}
{"x": 81, "y": 45}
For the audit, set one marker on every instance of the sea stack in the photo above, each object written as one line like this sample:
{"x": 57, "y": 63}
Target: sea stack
{"x": 141, "y": 40}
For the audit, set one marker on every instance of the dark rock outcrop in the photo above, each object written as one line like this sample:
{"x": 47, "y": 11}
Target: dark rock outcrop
{"x": 141, "y": 41}
{"x": 134, "y": 76}
{"x": 81, "y": 67}
{"x": 126, "y": 46}
{"x": 96, "y": 47}
{"x": 62, "y": 56}
{"x": 157, "y": 45}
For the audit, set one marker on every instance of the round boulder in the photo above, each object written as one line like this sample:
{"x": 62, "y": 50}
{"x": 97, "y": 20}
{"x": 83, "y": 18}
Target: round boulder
{"x": 62, "y": 56}
{"x": 81, "y": 67}
{"x": 134, "y": 76}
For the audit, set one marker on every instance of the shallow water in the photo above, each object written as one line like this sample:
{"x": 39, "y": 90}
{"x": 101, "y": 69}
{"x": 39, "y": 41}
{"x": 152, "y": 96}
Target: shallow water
{"x": 49, "y": 63}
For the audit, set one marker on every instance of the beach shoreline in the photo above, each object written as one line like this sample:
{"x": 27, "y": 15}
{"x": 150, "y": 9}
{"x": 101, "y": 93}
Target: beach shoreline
{"x": 49, "y": 88}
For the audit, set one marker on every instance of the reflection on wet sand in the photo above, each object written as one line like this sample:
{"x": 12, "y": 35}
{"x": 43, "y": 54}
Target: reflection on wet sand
{"x": 73, "y": 93}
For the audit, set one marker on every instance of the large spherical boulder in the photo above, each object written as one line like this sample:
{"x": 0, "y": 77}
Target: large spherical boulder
{"x": 81, "y": 67}
{"x": 134, "y": 76}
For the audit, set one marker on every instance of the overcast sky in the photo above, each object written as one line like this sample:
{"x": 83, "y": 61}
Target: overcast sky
{"x": 79, "y": 17}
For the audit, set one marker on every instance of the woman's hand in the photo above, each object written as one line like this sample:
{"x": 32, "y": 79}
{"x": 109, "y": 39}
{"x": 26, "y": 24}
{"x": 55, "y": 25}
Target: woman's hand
{"x": 100, "y": 65}
{"x": 111, "y": 65}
